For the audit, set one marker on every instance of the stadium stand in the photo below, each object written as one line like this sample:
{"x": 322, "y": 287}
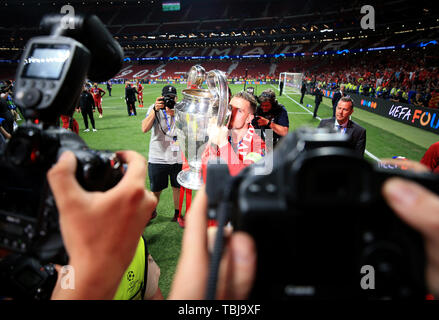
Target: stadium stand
{"x": 253, "y": 29}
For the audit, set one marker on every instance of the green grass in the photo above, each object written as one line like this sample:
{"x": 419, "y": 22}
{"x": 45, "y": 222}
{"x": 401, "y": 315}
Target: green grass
{"x": 117, "y": 131}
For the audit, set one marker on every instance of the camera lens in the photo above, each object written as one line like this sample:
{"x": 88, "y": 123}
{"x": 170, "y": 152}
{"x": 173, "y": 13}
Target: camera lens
{"x": 169, "y": 102}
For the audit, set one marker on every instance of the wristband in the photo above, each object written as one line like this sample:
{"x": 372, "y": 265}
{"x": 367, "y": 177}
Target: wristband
{"x": 269, "y": 123}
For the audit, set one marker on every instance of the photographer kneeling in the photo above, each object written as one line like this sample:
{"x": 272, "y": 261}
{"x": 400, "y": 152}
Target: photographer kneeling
{"x": 271, "y": 115}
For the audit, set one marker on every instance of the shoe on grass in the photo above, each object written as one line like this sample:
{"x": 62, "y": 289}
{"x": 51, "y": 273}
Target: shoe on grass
{"x": 181, "y": 222}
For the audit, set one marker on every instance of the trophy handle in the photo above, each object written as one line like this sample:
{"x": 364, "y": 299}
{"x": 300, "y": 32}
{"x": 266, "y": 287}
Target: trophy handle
{"x": 196, "y": 76}
{"x": 218, "y": 87}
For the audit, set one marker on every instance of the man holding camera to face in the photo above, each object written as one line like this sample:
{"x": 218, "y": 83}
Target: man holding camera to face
{"x": 164, "y": 158}
{"x": 271, "y": 115}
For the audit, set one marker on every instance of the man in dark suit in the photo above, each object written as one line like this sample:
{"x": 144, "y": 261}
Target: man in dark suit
{"x": 303, "y": 91}
{"x": 319, "y": 97}
{"x": 337, "y": 96}
{"x": 130, "y": 98}
{"x": 341, "y": 122}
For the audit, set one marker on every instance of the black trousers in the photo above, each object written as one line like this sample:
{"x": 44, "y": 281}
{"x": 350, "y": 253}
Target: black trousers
{"x": 88, "y": 112}
{"x": 131, "y": 107}
{"x": 316, "y": 108}
{"x": 301, "y": 98}
{"x": 109, "y": 91}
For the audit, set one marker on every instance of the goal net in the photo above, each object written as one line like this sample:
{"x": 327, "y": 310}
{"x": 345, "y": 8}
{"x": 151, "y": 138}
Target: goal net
{"x": 292, "y": 82}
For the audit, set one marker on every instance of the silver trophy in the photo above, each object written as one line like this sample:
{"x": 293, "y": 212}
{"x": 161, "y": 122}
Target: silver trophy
{"x": 192, "y": 118}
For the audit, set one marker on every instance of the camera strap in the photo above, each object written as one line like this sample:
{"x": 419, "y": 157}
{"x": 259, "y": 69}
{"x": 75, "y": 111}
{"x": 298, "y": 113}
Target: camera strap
{"x": 170, "y": 130}
{"x": 167, "y": 122}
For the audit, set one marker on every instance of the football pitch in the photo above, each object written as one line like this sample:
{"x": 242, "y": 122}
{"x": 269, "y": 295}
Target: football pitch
{"x": 118, "y": 131}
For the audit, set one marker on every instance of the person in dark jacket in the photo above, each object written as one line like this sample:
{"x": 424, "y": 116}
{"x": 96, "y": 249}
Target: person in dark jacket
{"x": 87, "y": 105}
{"x": 130, "y": 98}
{"x": 281, "y": 87}
{"x": 319, "y": 97}
{"x": 303, "y": 91}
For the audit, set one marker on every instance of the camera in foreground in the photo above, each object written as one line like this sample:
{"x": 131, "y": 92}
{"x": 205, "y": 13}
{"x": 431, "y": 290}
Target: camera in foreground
{"x": 49, "y": 80}
{"x": 321, "y": 227}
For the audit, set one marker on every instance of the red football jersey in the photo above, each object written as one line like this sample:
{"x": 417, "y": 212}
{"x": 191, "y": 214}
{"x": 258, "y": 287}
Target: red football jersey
{"x": 97, "y": 92}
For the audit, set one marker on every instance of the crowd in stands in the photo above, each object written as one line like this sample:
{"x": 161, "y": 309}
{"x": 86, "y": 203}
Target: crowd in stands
{"x": 400, "y": 77}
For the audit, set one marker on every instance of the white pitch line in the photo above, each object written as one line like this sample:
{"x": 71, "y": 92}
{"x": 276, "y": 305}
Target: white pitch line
{"x": 366, "y": 152}
{"x": 309, "y": 112}
{"x": 124, "y": 107}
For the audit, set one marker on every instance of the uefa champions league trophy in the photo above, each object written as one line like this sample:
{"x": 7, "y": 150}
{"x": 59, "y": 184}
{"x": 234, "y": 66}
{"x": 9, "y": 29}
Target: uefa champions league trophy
{"x": 192, "y": 118}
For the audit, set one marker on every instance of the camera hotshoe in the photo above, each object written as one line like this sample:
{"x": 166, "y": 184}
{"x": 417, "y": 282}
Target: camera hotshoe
{"x": 321, "y": 226}
{"x": 49, "y": 80}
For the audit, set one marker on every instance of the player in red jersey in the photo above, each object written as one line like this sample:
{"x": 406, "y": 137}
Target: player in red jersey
{"x": 98, "y": 93}
{"x": 140, "y": 94}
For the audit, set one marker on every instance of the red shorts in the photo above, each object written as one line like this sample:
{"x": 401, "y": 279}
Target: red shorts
{"x": 98, "y": 102}
{"x": 66, "y": 121}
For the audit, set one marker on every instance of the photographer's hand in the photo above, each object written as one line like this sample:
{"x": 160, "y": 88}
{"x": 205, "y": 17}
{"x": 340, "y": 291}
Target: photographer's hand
{"x": 238, "y": 265}
{"x": 159, "y": 103}
{"x": 217, "y": 135}
{"x": 262, "y": 122}
{"x": 100, "y": 230}
{"x": 419, "y": 208}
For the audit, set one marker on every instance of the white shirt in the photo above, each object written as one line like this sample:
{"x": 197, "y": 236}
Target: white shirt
{"x": 343, "y": 126}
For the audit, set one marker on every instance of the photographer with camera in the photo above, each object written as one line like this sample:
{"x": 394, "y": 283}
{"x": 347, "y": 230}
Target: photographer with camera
{"x": 129, "y": 208}
{"x": 130, "y": 98}
{"x": 100, "y": 261}
{"x": 87, "y": 218}
{"x": 164, "y": 158}
{"x": 271, "y": 115}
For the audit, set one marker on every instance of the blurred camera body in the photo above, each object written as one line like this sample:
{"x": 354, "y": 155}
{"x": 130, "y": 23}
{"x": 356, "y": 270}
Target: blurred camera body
{"x": 29, "y": 217}
{"x": 321, "y": 227}
{"x": 49, "y": 80}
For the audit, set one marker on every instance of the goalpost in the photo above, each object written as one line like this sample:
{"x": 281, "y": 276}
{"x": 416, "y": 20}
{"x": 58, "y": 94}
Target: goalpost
{"x": 292, "y": 81}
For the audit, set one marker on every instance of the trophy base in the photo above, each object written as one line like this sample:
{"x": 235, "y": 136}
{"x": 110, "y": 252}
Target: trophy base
{"x": 190, "y": 179}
